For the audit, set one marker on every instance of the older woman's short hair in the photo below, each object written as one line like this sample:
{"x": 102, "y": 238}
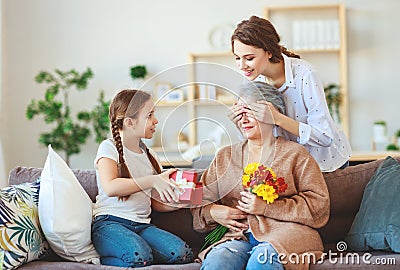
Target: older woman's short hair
{"x": 253, "y": 91}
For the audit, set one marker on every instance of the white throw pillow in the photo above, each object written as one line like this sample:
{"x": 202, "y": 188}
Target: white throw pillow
{"x": 65, "y": 212}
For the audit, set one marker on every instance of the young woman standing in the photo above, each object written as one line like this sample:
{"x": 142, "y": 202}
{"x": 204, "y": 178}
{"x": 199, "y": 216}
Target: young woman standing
{"x": 255, "y": 44}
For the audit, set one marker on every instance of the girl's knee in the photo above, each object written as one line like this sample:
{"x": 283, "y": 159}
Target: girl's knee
{"x": 141, "y": 259}
{"x": 122, "y": 254}
{"x": 184, "y": 254}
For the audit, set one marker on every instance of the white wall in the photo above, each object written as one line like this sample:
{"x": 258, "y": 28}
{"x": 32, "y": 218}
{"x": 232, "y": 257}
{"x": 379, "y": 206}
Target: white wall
{"x": 3, "y": 178}
{"x": 111, "y": 36}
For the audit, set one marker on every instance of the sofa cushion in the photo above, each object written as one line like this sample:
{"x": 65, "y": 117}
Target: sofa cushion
{"x": 377, "y": 223}
{"x": 65, "y": 212}
{"x": 21, "y": 236}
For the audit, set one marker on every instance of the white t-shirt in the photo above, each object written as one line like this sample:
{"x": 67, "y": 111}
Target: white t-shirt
{"x": 138, "y": 206}
{"x": 305, "y": 102}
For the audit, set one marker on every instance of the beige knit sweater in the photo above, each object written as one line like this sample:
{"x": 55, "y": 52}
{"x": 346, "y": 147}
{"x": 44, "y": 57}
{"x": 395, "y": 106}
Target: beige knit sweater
{"x": 289, "y": 223}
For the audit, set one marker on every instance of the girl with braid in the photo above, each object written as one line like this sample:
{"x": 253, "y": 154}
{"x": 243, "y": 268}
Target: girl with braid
{"x": 255, "y": 45}
{"x": 127, "y": 173}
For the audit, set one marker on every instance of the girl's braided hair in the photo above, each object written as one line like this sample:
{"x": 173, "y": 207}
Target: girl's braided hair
{"x": 128, "y": 103}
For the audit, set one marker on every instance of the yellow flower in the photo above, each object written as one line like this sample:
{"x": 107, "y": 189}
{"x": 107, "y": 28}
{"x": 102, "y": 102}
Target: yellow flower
{"x": 251, "y": 168}
{"x": 266, "y": 192}
{"x": 245, "y": 179}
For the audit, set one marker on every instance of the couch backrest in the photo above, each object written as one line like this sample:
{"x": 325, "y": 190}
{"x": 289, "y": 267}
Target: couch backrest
{"x": 87, "y": 178}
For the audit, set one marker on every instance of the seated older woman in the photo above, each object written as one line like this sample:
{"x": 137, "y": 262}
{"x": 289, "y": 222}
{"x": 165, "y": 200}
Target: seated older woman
{"x": 262, "y": 235}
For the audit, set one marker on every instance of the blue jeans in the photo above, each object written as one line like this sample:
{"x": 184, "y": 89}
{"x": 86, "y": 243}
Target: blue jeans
{"x": 240, "y": 254}
{"x": 125, "y": 243}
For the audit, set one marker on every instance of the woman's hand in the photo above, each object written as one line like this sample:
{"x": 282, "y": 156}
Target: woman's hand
{"x": 168, "y": 189}
{"x": 251, "y": 203}
{"x": 228, "y": 217}
{"x": 235, "y": 113}
{"x": 263, "y": 111}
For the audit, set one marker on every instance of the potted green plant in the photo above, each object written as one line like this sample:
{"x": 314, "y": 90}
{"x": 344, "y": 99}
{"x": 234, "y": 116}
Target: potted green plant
{"x": 68, "y": 133}
{"x": 392, "y": 147}
{"x": 138, "y": 73}
{"x": 98, "y": 117}
{"x": 379, "y": 129}
{"x": 334, "y": 100}
{"x": 397, "y": 135}
{"x": 379, "y": 135}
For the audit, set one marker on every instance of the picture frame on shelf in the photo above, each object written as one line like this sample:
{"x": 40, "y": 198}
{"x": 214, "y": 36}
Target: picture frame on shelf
{"x": 162, "y": 90}
{"x": 174, "y": 96}
{"x": 167, "y": 94}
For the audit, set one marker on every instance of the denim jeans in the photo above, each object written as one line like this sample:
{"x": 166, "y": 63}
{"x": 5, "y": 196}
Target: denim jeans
{"x": 240, "y": 254}
{"x": 125, "y": 243}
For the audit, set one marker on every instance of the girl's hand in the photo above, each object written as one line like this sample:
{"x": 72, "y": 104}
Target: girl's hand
{"x": 251, "y": 203}
{"x": 228, "y": 217}
{"x": 263, "y": 111}
{"x": 235, "y": 113}
{"x": 168, "y": 189}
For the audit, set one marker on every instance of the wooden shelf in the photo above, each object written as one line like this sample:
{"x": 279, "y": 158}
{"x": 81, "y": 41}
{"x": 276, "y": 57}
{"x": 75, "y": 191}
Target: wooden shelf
{"x": 372, "y": 155}
{"x": 172, "y": 158}
{"x": 214, "y": 102}
{"x": 175, "y": 162}
{"x": 284, "y": 18}
{"x": 201, "y": 74}
{"x": 213, "y": 107}
{"x": 317, "y": 51}
{"x": 301, "y": 8}
{"x": 169, "y": 104}
{"x": 192, "y": 56}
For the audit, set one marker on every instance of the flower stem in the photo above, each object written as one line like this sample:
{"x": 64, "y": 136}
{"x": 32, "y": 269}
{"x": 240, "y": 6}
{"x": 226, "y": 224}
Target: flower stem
{"x": 214, "y": 236}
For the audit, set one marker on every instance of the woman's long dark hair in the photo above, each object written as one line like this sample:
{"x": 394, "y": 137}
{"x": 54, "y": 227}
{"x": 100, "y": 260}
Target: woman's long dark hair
{"x": 260, "y": 33}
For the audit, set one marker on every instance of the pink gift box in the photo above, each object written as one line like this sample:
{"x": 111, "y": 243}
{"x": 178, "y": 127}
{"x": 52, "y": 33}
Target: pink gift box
{"x": 190, "y": 176}
{"x": 197, "y": 196}
{"x": 188, "y": 181}
{"x": 192, "y": 195}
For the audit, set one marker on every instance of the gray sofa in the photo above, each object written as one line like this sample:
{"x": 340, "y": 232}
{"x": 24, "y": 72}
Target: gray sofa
{"x": 346, "y": 190}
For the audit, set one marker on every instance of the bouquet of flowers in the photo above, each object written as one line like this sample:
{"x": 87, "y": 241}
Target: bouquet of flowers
{"x": 259, "y": 180}
{"x": 262, "y": 181}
